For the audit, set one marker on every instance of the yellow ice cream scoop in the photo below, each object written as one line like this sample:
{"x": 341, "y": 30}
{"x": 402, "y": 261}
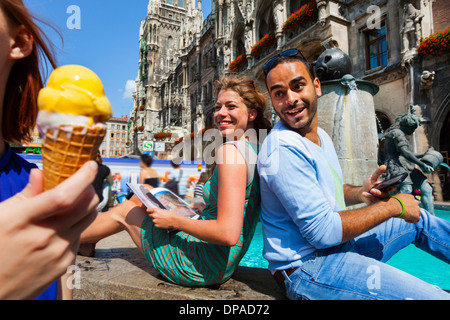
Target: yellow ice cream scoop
{"x": 76, "y": 90}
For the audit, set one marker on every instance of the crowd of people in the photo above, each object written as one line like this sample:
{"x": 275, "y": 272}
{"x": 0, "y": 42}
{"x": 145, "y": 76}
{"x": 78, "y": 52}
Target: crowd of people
{"x": 316, "y": 248}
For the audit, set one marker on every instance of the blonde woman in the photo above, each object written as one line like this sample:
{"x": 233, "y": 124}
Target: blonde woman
{"x": 205, "y": 251}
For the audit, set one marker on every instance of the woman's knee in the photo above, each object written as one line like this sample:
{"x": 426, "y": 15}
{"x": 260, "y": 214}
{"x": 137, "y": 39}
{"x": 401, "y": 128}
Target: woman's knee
{"x": 130, "y": 212}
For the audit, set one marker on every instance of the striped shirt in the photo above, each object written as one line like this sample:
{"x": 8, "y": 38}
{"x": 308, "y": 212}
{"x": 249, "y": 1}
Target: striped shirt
{"x": 198, "y": 191}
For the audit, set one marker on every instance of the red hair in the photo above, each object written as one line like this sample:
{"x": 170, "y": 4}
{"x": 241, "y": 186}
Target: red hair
{"x": 25, "y": 80}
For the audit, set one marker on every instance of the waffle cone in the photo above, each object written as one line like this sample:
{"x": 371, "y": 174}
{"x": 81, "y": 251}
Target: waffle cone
{"x": 66, "y": 149}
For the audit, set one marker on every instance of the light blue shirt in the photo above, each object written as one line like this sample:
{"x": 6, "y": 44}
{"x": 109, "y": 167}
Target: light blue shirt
{"x": 301, "y": 195}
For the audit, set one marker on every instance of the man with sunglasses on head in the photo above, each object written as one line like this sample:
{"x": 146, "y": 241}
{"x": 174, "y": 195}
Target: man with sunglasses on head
{"x": 315, "y": 247}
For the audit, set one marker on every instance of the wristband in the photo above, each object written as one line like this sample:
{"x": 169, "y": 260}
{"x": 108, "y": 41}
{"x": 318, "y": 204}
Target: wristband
{"x": 403, "y": 206}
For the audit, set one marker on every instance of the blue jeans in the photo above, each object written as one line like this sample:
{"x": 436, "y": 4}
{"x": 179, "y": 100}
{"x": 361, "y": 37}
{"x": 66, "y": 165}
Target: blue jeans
{"x": 357, "y": 269}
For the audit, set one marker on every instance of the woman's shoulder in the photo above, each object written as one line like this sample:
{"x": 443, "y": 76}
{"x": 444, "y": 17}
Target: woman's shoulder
{"x": 12, "y": 160}
{"x": 229, "y": 153}
{"x": 150, "y": 172}
{"x": 13, "y": 168}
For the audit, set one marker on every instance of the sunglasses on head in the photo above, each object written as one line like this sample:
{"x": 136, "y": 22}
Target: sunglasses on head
{"x": 288, "y": 53}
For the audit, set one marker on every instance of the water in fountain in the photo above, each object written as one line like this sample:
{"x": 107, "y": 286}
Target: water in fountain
{"x": 347, "y": 114}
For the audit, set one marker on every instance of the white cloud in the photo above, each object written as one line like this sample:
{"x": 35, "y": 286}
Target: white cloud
{"x": 130, "y": 87}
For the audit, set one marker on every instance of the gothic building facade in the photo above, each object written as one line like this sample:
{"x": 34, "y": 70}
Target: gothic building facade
{"x": 181, "y": 56}
{"x": 160, "y": 101}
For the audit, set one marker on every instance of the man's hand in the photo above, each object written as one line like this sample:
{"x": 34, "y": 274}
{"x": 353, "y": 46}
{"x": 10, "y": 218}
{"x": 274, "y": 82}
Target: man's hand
{"x": 369, "y": 194}
{"x": 412, "y": 209}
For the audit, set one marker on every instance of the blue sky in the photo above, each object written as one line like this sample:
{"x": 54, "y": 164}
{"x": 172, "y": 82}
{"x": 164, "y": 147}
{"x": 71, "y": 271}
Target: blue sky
{"x": 107, "y": 42}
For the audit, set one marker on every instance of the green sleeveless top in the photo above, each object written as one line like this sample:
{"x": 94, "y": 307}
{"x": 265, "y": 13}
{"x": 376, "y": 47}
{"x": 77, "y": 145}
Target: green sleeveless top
{"x": 186, "y": 260}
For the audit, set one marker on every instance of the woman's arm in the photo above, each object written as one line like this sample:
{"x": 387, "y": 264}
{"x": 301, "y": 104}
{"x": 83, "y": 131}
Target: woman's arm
{"x": 109, "y": 179}
{"x": 64, "y": 291}
{"x": 142, "y": 176}
{"x": 227, "y": 228}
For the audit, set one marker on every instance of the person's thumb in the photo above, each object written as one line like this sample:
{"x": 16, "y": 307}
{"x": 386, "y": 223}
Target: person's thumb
{"x": 35, "y": 184}
{"x": 378, "y": 172}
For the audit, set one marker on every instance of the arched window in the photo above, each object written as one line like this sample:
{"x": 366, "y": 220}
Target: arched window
{"x": 263, "y": 29}
{"x": 169, "y": 42}
{"x": 266, "y": 19}
{"x": 294, "y": 5}
{"x": 240, "y": 47}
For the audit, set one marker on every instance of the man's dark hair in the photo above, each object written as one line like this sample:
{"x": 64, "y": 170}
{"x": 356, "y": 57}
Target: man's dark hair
{"x": 288, "y": 56}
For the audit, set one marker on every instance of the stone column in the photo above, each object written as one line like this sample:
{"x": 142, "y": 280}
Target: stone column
{"x": 219, "y": 22}
{"x": 279, "y": 10}
{"x": 322, "y": 8}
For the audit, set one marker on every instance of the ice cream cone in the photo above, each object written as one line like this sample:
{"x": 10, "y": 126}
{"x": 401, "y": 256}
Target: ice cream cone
{"x": 73, "y": 111}
{"x": 66, "y": 149}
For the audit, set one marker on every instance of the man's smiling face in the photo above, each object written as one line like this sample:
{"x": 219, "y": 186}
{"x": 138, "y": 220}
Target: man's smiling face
{"x": 294, "y": 95}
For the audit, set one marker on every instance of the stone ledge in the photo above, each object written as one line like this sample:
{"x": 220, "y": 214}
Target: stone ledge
{"x": 120, "y": 272}
{"x": 442, "y": 205}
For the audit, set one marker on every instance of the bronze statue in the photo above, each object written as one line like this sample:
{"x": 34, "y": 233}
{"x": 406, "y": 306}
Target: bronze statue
{"x": 332, "y": 64}
{"x": 395, "y": 153}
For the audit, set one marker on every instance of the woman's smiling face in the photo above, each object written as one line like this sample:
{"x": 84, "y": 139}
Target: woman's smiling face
{"x": 231, "y": 113}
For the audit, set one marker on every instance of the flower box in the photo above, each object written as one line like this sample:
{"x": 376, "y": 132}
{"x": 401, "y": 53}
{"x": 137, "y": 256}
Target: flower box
{"x": 237, "y": 64}
{"x": 306, "y": 13}
{"x": 192, "y": 134}
{"x": 264, "y": 43}
{"x": 162, "y": 135}
{"x": 178, "y": 141}
{"x": 436, "y": 44}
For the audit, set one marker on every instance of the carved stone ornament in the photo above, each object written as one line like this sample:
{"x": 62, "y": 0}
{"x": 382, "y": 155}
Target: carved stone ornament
{"x": 426, "y": 79}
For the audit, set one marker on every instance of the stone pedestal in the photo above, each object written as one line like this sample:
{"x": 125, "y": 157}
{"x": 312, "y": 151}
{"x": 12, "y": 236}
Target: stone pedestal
{"x": 347, "y": 114}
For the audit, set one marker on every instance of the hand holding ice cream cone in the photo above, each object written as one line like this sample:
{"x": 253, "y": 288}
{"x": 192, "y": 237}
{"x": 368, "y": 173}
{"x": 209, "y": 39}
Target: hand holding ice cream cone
{"x": 73, "y": 110}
